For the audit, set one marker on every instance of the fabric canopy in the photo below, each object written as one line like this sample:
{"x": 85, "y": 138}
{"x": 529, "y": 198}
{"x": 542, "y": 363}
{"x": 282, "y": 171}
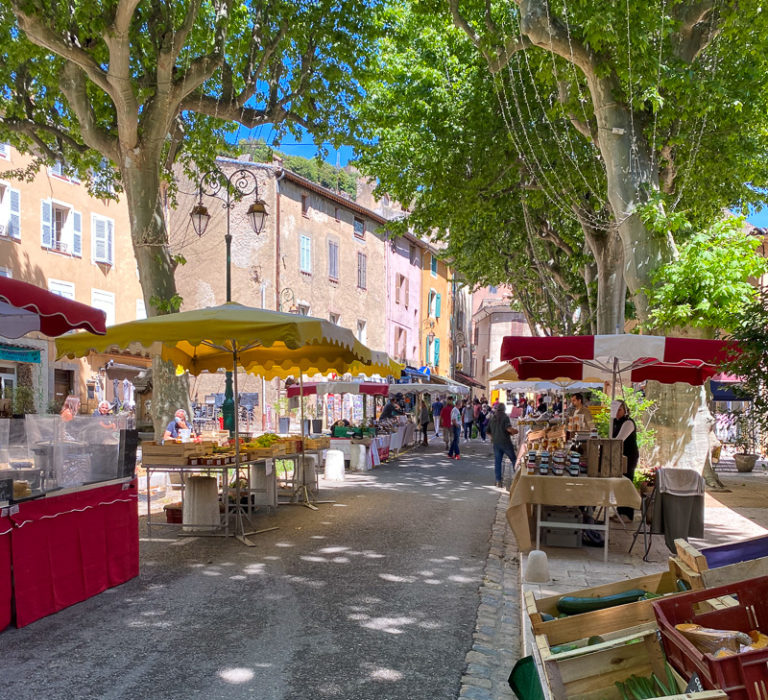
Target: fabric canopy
{"x": 505, "y": 373}
{"x": 525, "y": 386}
{"x": 321, "y": 388}
{"x": 643, "y": 357}
{"x": 268, "y": 343}
{"x": 471, "y": 381}
{"x": 15, "y": 322}
{"x": 58, "y": 315}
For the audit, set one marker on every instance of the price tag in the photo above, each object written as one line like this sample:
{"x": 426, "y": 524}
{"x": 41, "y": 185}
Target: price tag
{"x": 694, "y": 685}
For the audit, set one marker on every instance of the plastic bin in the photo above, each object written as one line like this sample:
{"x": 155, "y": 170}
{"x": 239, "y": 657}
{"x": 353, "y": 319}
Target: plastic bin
{"x": 744, "y": 676}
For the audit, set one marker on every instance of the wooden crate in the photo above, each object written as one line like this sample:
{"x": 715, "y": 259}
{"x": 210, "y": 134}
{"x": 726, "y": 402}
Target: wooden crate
{"x": 690, "y": 565}
{"x": 598, "y": 622}
{"x": 318, "y": 443}
{"x": 591, "y": 672}
{"x": 534, "y": 435}
{"x": 604, "y": 457}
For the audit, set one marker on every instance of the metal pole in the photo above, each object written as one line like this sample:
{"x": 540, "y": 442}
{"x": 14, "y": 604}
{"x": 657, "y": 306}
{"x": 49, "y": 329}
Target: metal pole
{"x": 228, "y": 407}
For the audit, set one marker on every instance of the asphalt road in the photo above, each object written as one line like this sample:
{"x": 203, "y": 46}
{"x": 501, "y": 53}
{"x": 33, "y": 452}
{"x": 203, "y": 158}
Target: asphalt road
{"x": 373, "y": 596}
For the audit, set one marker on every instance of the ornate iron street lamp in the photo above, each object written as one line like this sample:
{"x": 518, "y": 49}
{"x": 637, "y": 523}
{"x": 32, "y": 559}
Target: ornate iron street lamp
{"x": 239, "y": 184}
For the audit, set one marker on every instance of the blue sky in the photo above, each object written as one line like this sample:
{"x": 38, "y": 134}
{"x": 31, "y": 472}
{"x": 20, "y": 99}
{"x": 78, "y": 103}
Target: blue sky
{"x": 759, "y": 219}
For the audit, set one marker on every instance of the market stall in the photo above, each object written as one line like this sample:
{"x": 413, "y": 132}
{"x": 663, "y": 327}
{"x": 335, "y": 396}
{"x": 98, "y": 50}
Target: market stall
{"x": 268, "y": 343}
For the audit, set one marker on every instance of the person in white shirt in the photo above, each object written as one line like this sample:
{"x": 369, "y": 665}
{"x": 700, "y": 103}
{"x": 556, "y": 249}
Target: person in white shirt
{"x": 453, "y": 450}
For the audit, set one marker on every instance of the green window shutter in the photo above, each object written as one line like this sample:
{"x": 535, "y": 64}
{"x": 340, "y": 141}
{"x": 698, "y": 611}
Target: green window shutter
{"x": 437, "y": 348}
{"x": 437, "y": 306}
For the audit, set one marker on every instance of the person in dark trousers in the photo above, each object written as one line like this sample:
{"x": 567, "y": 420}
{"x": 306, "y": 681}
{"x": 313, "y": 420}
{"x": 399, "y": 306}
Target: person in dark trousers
{"x": 437, "y": 408}
{"x": 453, "y": 450}
{"x": 482, "y": 421}
{"x": 624, "y": 428}
{"x": 424, "y": 415}
{"x": 445, "y": 422}
{"x": 501, "y": 430}
{"x": 467, "y": 417}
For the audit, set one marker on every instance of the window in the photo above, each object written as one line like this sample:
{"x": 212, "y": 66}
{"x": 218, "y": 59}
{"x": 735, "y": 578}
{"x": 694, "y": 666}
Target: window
{"x": 5, "y": 272}
{"x": 434, "y": 304}
{"x": 102, "y": 239}
{"x": 303, "y": 309}
{"x": 397, "y": 288}
{"x": 305, "y": 253}
{"x": 59, "y": 170}
{"x": 430, "y": 349}
{"x": 493, "y": 290}
{"x": 61, "y": 228}
{"x": 406, "y": 291}
{"x": 333, "y": 260}
{"x": 433, "y": 265}
{"x": 362, "y": 275}
{"x": 336, "y": 213}
{"x": 141, "y": 310}
{"x": 359, "y": 228}
{"x": 361, "y": 334}
{"x": 401, "y": 290}
{"x": 437, "y": 352}
{"x": 5, "y": 151}
{"x": 305, "y": 205}
{"x": 335, "y": 318}
{"x": 477, "y": 335}
{"x": 10, "y": 212}
{"x": 401, "y": 342}
{"x": 63, "y": 289}
{"x": 106, "y": 302}
{"x": 412, "y": 255}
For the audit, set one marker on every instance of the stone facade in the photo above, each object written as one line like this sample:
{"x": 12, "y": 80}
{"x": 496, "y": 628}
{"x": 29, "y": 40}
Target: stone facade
{"x": 319, "y": 254}
{"x": 404, "y": 298}
{"x": 55, "y": 235}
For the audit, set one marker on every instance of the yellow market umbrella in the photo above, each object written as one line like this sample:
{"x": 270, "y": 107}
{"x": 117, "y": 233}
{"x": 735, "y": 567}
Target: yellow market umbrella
{"x": 505, "y": 373}
{"x": 269, "y": 343}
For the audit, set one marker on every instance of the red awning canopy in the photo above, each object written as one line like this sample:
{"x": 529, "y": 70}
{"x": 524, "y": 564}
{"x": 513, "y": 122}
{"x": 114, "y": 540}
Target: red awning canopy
{"x": 367, "y": 388}
{"x": 57, "y": 314}
{"x": 643, "y": 357}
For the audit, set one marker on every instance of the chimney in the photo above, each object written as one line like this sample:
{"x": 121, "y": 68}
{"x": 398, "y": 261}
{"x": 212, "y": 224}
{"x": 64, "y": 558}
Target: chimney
{"x": 277, "y": 160}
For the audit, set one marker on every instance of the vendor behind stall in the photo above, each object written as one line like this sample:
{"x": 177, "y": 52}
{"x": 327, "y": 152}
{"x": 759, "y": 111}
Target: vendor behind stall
{"x": 179, "y": 423}
{"x": 579, "y": 409}
{"x": 390, "y": 410}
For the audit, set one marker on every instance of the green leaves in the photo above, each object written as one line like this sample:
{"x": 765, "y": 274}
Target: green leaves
{"x": 711, "y": 282}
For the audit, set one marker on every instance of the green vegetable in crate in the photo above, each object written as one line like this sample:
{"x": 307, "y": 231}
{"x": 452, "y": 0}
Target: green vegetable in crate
{"x": 546, "y": 617}
{"x": 637, "y": 688}
{"x": 595, "y": 639}
{"x": 571, "y": 605}
{"x": 562, "y": 648}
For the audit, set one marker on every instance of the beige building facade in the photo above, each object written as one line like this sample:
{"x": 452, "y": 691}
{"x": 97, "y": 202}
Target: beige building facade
{"x": 318, "y": 254}
{"x": 55, "y": 235}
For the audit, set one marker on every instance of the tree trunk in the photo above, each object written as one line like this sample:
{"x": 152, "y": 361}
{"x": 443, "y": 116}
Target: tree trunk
{"x": 156, "y": 273}
{"x": 611, "y": 289}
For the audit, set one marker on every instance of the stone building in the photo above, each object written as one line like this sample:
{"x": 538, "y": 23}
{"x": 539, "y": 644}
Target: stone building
{"x": 55, "y": 235}
{"x": 319, "y": 254}
{"x": 437, "y": 313}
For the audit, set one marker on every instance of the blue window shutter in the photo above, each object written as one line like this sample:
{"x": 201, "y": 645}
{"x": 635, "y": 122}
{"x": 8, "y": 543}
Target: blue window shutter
{"x": 14, "y": 229}
{"x": 45, "y": 233}
{"x": 437, "y": 348}
{"x": 77, "y": 233}
{"x": 437, "y": 306}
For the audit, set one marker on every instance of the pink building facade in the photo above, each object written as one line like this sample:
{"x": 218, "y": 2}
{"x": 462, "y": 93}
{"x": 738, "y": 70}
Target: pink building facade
{"x": 403, "y": 304}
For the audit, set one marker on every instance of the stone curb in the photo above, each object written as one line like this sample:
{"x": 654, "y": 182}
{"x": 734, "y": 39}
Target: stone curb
{"x": 496, "y": 639}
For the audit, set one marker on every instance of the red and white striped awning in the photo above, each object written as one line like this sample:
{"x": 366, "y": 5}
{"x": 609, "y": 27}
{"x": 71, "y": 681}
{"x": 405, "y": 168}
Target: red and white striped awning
{"x": 643, "y": 357}
{"x": 366, "y": 388}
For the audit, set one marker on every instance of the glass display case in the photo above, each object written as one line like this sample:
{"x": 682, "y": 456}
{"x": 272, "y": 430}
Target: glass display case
{"x": 46, "y": 453}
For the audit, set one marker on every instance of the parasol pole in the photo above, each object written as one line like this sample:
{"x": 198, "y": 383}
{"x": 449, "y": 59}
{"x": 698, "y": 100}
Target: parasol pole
{"x": 613, "y": 383}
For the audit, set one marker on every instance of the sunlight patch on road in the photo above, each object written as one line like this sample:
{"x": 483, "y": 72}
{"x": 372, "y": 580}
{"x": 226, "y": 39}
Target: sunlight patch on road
{"x": 397, "y": 579}
{"x": 236, "y": 675}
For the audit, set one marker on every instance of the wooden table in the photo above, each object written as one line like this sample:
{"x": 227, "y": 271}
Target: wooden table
{"x": 527, "y": 491}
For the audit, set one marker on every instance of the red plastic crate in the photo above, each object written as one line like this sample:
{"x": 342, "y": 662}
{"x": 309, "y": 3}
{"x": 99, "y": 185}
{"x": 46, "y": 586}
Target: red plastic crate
{"x": 744, "y": 676}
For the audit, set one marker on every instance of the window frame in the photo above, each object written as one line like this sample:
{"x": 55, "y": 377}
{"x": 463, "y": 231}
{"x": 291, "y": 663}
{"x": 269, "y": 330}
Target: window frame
{"x": 6, "y": 272}
{"x": 61, "y": 283}
{"x": 302, "y": 239}
{"x": 69, "y": 240}
{"x": 305, "y": 205}
{"x": 109, "y": 241}
{"x": 334, "y": 318}
{"x": 6, "y": 206}
{"x": 95, "y": 293}
{"x": 355, "y": 221}
{"x": 433, "y": 265}
{"x": 333, "y": 244}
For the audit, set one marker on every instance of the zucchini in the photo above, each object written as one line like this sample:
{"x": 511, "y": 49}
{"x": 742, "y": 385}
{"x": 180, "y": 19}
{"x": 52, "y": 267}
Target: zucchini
{"x": 561, "y": 648}
{"x": 546, "y": 617}
{"x": 571, "y": 605}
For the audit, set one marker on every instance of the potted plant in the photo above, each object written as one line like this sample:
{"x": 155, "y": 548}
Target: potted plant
{"x": 645, "y": 479}
{"x": 745, "y": 442}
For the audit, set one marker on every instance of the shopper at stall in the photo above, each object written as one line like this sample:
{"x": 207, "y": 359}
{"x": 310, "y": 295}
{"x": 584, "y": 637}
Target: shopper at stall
{"x": 579, "y": 409}
{"x": 180, "y": 422}
{"x": 557, "y": 405}
{"x": 467, "y": 418}
{"x": 105, "y": 409}
{"x": 542, "y": 407}
{"x": 437, "y": 407}
{"x": 445, "y": 422}
{"x": 501, "y": 430}
{"x": 390, "y": 410}
{"x": 424, "y": 415}
{"x": 453, "y": 450}
{"x": 624, "y": 428}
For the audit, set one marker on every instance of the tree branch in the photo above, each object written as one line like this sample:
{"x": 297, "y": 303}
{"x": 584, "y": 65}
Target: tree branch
{"x": 696, "y": 29}
{"x": 38, "y": 33}
{"x": 73, "y": 86}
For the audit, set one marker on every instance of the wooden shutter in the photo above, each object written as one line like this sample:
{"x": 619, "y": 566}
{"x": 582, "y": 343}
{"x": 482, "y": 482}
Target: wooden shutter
{"x": 437, "y": 305}
{"x": 14, "y": 220}
{"x": 407, "y": 290}
{"x": 46, "y": 234}
{"x": 437, "y": 349}
{"x": 99, "y": 239}
{"x": 77, "y": 233}
{"x": 110, "y": 241}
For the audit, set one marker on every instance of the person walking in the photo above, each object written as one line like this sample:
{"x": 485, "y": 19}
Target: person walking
{"x": 424, "y": 415}
{"x": 445, "y": 422}
{"x": 453, "y": 450}
{"x": 467, "y": 417}
{"x": 437, "y": 407}
{"x": 624, "y": 428}
{"x": 501, "y": 431}
{"x": 482, "y": 421}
